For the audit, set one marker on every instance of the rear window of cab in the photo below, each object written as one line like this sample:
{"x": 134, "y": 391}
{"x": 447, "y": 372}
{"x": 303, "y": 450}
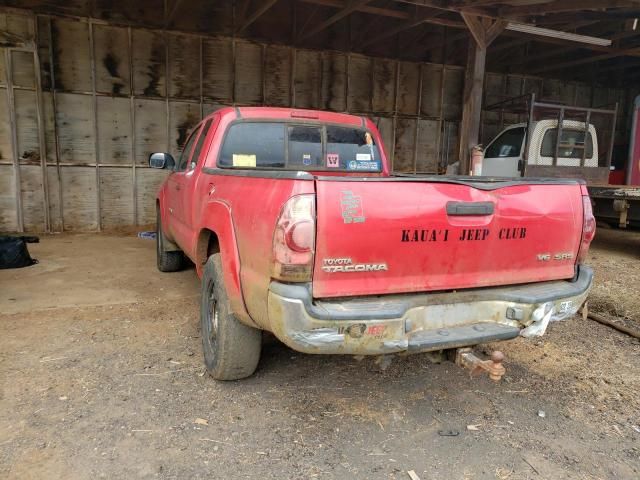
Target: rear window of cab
{"x": 291, "y": 146}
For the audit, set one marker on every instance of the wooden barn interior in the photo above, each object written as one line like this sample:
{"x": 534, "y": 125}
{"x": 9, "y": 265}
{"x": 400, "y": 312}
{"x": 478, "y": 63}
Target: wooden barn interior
{"x": 89, "y": 88}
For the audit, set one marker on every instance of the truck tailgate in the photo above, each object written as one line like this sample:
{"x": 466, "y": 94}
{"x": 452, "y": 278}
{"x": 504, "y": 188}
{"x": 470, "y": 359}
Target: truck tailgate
{"x": 395, "y": 235}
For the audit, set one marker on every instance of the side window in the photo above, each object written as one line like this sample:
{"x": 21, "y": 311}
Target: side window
{"x": 259, "y": 144}
{"x": 571, "y": 144}
{"x": 509, "y": 144}
{"x": 186, "y": 151}
{"x": 352, "y": 149}
{"x": 198, "y": 150}
{"x": 305, "y": 147}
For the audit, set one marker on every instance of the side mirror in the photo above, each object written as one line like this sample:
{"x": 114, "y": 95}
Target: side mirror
{"x": 162, "y": 160}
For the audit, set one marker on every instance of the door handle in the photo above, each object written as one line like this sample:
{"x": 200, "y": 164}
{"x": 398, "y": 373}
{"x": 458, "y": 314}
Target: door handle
{"x": 470, "y": 208}
{"x": 211, "y": 189}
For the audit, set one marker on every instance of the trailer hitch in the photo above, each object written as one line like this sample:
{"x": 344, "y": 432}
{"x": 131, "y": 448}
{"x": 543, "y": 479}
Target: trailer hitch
{"x": 493, "y": 367}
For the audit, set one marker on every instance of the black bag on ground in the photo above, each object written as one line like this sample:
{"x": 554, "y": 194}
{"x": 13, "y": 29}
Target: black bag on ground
{"x": 14, "y": 252}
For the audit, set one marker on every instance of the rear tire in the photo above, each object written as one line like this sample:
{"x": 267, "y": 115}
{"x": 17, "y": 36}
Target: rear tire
{"x": 231, "y": 349}
{"x": 167, "y": 261}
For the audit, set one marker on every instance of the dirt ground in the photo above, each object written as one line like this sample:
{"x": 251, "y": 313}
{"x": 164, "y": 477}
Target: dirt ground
{"x": 101, "y": 377}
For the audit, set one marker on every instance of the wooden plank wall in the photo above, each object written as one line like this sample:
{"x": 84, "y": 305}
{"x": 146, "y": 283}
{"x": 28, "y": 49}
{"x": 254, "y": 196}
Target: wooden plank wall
{"x": 109, "y": 95}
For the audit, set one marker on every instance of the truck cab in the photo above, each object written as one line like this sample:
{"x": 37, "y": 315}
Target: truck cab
{"x": 505, "y": 154}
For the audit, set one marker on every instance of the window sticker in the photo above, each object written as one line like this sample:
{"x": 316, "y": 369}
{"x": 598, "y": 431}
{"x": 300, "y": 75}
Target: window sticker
{"x": 363, "y": 156}
{"x": 306, "y": 159}
{"x": 241, "y": 160}
{"x": 333, "y": 160}
{"x": 365, "y": 166}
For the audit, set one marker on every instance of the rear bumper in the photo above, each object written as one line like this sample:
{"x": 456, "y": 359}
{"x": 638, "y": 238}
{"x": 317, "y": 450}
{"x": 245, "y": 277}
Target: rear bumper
{"x": 417, "y": 322}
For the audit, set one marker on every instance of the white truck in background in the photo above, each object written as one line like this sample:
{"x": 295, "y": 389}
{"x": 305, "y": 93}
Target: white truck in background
{"x": 584, "y": 150}
{"x": 505, "y": 154}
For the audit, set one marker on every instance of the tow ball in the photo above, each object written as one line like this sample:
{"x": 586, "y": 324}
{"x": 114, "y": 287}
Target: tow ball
{"x": 493, "y": 367}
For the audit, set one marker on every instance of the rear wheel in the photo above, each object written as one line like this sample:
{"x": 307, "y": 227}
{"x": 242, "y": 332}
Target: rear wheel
{"x": 231, "y": 349}
{"x": 167, "y": 261}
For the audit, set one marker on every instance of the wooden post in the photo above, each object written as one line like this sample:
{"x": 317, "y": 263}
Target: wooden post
{"x": 483, "y": 32}
{"x": 472, "y": 106}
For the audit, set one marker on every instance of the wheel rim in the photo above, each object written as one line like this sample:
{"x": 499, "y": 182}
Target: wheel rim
{"x": 212, "y": 317}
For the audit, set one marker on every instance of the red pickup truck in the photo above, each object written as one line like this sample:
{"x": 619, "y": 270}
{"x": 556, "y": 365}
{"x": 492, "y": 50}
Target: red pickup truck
{"x": 297, "y": 227}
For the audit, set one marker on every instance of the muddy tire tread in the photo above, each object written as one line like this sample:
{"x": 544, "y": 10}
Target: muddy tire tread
{"x": 238, "y": 346}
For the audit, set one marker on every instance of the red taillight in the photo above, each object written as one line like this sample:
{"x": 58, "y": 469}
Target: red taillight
{"x": 588, "y": 228}
{"x": 299, "y": 236}
{"x": 294, "y": 240}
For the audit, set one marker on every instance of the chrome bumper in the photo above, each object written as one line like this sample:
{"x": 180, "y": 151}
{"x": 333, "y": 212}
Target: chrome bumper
{"x": 418, "y": 323}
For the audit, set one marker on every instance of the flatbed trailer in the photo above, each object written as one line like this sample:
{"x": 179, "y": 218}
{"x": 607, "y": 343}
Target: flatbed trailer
{"x": 618, "y": 204}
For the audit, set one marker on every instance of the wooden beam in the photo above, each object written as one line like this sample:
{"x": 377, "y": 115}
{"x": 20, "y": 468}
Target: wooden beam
{"x": 477, "y": 3}
{"x": 541, "y": 11}
{"x": 172, "y": 13}
{"x": 242, "y": 9}
{"x": 540, "y": 8}
{"x": 407, "y": 25}
{"x": 561, "y": 6}
{"x": 476, "y": 28}
{"x": 589, "y": 59}
{"x": 348, "y": 8}
{"x": 448, "y": 22}
{"x": 472, "y": 103}
{"x": 599, "y": 30}
{"x": 456, "y": 7}
{"x": 385, "y": 12}
{"x": 388, "y": 12}
{"x": 528, "y": 61}
{"x": 373, "y": 26}
{"x": 483, "y": 30}
{"x": 494, "y": 30}
{"x": 587, "y": 15}
{"x": 255, "y": 15}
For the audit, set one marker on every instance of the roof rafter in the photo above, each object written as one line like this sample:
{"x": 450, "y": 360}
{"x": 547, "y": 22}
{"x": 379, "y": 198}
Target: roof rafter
{"x": 528, "y": 61}
{"x": 483, "y": 8}
{"x": 388, "y": 12}
{"x": 449, "y": 22}
{"x": 483, "y": 30}
{"x": 591, "y": 59}
{"x": 347, "y": 9}
{"x": 561, "y": 6}
{"x": 406, "y": 25}
{"x": 257, "y": 13}
{"x": 171, "y": 14}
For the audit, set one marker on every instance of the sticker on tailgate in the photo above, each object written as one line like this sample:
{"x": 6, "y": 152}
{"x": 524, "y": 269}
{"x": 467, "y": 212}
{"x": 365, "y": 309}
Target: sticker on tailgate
{"x": 352, "y": 211}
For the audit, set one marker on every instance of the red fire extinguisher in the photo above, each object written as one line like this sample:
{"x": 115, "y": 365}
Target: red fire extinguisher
{"x": 477, "y": 156}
